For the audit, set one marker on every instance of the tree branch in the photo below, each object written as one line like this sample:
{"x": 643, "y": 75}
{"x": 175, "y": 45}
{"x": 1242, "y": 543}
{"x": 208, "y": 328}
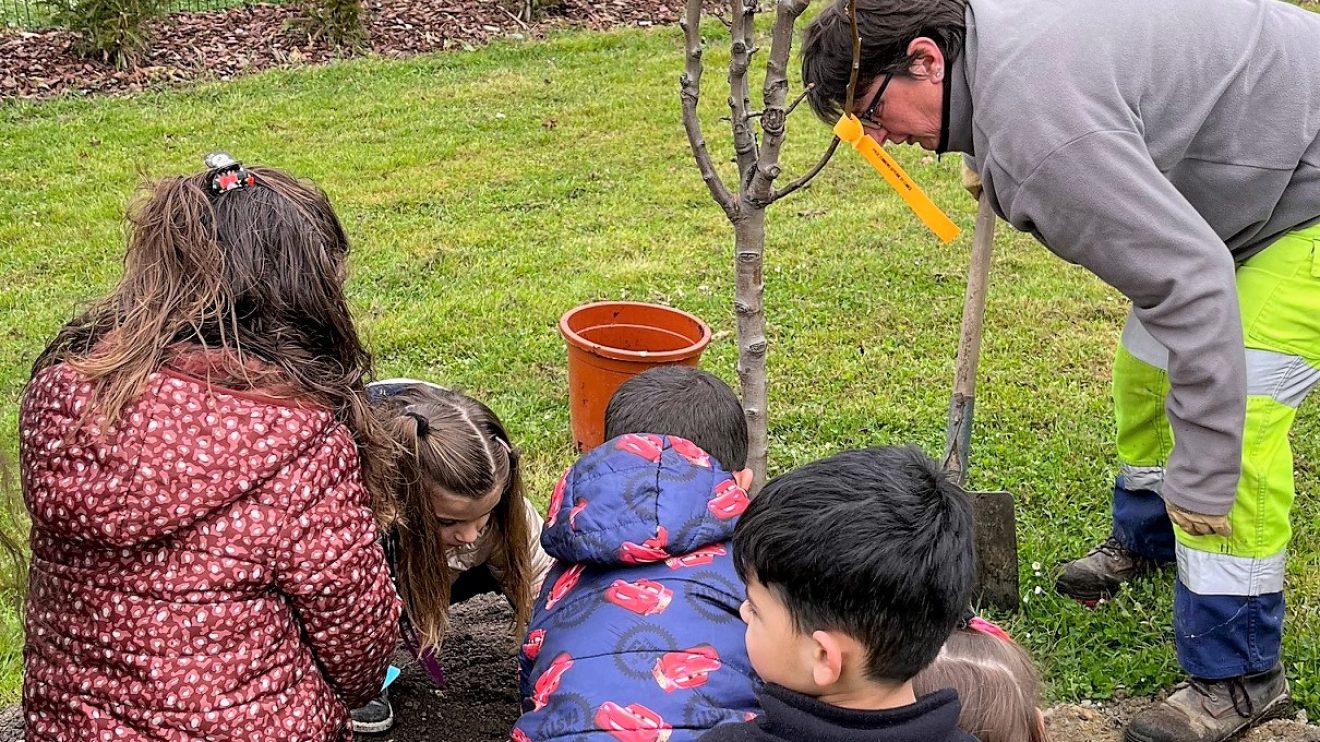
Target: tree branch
{"x": 690, "y": 92}
{"x": 770, "y": 196}
{"x": 774, "y": 115}
{"x": 806, "y": 177}
{"x": 740, "y": 60}
{"x": 801, "y": 97}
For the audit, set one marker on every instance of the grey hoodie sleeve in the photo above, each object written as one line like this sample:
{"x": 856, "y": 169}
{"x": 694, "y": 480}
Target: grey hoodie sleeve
{"x": 1100, "y": 201}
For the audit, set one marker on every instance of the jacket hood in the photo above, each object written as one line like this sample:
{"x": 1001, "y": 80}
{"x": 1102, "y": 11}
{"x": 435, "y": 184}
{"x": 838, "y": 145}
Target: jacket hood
{"x": 641, "y": 498}
{"x": 183, "y": 449}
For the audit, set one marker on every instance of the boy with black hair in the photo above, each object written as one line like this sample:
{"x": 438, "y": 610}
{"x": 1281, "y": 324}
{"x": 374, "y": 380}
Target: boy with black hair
{"x": 858, "y": 567}
{"x": 636, "y": 634}
{"x": 686, "y": 402}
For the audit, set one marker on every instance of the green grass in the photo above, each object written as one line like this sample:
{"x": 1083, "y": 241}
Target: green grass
{"x": 488, "y": 192}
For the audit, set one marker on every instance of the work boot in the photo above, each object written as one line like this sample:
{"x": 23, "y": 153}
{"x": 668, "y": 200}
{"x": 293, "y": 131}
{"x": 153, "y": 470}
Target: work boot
{"x": 1213, "y": 710}
{"x": 375, "y": 717}
{"x": 1100, "y": 573}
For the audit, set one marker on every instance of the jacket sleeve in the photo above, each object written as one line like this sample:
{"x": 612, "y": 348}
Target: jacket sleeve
{"x": 330, "y": 564}
{"x": 1101, "y": 201}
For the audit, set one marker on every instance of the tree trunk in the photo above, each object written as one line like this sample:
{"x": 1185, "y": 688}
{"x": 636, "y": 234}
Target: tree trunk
{"x": 758, "y": 167}
{"x": 749, "y": 309}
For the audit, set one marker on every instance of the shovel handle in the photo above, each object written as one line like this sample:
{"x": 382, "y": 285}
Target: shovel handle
{"x": 959, "y": 433}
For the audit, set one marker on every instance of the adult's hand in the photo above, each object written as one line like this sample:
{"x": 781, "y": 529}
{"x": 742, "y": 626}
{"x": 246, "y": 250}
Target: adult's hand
{"x": 1198, "y": 524}
{"x": 971, "y": 181}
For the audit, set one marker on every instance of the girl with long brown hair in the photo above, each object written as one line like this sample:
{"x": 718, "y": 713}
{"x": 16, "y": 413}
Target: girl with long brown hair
{"x": 463, "y": 525}
{"x": 199, "y": 463}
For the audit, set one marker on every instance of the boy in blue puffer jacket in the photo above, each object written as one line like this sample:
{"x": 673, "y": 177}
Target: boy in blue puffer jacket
{"x": 636, "y": 635}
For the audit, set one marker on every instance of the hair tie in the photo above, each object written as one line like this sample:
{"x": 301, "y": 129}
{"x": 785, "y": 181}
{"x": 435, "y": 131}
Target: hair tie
{"x": 503, "y": 443}
{"x": 978, "y": 624}
{"x": 227, "y": 174}
{"x": 423, "y": 426}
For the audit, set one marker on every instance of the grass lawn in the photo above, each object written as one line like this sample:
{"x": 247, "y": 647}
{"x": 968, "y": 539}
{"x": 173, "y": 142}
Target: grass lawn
{"x": 488, "y": 192}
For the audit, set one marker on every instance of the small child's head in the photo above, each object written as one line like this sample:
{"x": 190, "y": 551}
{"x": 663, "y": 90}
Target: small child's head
{"x": 459, "y": 480}
{"x": 996, "y": 682}
{"x": 246, "y": 260}
{"x": 857, "y": 568}
{"x": 684, "y": 402}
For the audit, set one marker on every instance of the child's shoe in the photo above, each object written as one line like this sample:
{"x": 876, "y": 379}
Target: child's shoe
{"x": 375, "y": 717}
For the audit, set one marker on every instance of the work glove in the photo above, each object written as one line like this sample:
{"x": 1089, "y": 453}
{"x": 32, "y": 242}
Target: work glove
{"x": 1198, "y": 524}
{"x": 971, "y": 181}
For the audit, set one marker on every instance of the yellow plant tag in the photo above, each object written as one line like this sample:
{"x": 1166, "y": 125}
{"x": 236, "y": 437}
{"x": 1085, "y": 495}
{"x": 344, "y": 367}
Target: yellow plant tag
{"x": 849, "y": 129}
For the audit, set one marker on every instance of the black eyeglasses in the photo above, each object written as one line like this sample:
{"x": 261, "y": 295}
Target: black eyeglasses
{"x": 868, "y": 116}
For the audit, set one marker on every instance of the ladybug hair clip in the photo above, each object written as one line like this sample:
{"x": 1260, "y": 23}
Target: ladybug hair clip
{"x": 227, "y": 174}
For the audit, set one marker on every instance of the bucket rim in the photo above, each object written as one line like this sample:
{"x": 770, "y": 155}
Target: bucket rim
{"x": 692, "y": 350}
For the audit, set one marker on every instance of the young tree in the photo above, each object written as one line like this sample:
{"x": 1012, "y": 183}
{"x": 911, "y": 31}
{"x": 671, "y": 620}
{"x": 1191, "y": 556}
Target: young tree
{"x": 758, "y": 169}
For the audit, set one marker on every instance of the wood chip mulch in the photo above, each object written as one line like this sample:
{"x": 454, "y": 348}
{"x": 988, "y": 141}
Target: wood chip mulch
{"x": 220, "y": 45}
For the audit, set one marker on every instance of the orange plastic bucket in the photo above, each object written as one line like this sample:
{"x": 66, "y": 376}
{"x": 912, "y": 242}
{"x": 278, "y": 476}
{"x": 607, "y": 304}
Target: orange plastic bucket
{"x": 611, "y": 341}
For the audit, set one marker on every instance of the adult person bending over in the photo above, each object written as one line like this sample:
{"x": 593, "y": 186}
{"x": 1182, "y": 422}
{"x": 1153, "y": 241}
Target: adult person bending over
{"x": 1172, "y": 148}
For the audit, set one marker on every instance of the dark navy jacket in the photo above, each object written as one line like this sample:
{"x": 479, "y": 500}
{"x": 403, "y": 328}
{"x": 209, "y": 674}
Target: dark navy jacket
{"x": 636, "y": 635}
{"x": 793, "y": 717}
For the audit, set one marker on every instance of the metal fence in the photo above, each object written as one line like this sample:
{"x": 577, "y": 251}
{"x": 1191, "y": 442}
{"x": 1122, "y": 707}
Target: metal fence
{"x": 33, "y": 14}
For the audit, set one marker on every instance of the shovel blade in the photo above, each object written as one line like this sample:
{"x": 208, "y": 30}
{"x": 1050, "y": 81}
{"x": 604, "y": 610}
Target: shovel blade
{"x": 996, "y": 550}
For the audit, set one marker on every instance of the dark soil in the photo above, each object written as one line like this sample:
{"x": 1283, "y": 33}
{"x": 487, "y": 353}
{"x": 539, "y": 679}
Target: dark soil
{"x": 480, "y": 703}
{"x": 220, "y": 45}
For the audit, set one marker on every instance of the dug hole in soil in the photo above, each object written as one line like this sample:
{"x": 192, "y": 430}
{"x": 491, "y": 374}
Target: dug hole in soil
{"x": 480, "y": 703}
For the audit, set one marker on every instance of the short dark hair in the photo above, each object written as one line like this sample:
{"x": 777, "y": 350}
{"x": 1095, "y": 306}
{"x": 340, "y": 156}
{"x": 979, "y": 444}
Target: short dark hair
{"x": 876, "y": 543}
{"x": 686, "y": 402}
{"x": 886, "y": 28}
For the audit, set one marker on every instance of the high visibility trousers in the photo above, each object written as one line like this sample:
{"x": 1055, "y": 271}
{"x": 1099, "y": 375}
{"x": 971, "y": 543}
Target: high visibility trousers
{"x": 1228, "y": 601}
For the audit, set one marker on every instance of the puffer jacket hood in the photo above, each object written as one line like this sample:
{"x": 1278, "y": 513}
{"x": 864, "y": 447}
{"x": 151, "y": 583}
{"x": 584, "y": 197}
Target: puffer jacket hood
{"x": 631, "y": 501}
{"x": 636, "y": 634}
{"x": 206, "y": 462}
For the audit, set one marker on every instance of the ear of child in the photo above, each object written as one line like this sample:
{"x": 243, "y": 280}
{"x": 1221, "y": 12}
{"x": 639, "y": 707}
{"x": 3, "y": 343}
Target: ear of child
{"x": 839, "y": 673}
{"x": 743, "y": 477}
{"x": 827, "y": 665}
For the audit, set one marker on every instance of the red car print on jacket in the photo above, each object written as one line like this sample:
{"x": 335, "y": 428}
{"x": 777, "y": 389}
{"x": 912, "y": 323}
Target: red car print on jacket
{"x": 557, "y": 499}
{"x": 650, "y": 550}
{"x": 648, "y": 447}
{"x": 578, "y": 507}
{"x": 632, "y": 723}
{"x": 690, "y": 451}
{"x": 687, "y": 668}
{"x": 729, "y": 501}
{"x": 699, "y": 558}
{"x": 548, "y": 683}
{"x": 563, "y": 585}
{"x": 518, "y": 735}
{"x": 532, "y": 646}
{"x": 643, "y": 597}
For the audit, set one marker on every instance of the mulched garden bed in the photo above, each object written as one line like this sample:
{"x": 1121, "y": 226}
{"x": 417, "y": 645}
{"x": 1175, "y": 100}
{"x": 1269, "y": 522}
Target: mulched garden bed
{"x": 220, "y": 45}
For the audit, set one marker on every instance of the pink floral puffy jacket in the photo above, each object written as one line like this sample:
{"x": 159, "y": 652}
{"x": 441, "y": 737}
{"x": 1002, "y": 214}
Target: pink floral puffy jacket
{"x": 205, "y": 569}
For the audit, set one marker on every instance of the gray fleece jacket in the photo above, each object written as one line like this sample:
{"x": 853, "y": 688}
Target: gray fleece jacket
{"x": 1157, "y": 144}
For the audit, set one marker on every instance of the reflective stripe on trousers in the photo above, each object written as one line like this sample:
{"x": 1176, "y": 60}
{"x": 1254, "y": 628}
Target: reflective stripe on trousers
{"x": 1228, "y": 602}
